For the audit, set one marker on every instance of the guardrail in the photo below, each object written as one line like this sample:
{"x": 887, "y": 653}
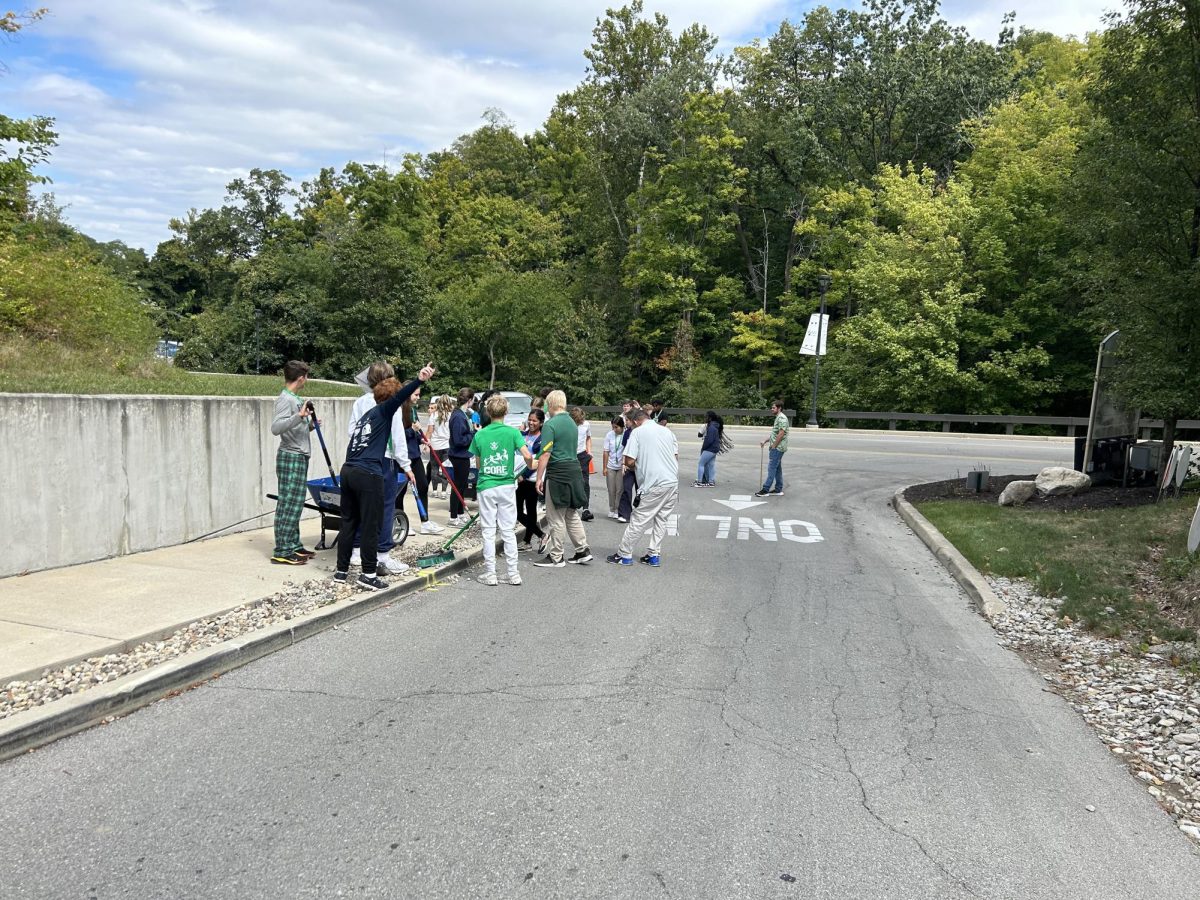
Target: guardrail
{"x": 688, "y": 412}
{"x": 1071, "y": 423}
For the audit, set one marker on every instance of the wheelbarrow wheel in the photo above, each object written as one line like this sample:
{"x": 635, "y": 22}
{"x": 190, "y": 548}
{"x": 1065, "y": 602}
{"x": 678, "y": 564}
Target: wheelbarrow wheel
{"x": 400, "y": 528}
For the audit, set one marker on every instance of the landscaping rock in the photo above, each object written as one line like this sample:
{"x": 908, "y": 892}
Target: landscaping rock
{"x": 1145, "y": 710}
{"x": 1057, "y": 480}
{"x": 1017, "y": 493}
{"x": 293, "y": 601}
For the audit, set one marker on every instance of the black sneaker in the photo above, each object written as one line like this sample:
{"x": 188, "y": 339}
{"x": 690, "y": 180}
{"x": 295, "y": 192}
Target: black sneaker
{"x": 288, "y": 559}
{"x": 586, "y": 515}
{"x": 776, "y": 493}
{"x": 305, "y": 552}
{"x": 762, "y": 493}
{"x": 550, "y": 562}
{"x": 371, "y": 582}
{"x": 340, "y": 577}
{"x": 581, "y": 556}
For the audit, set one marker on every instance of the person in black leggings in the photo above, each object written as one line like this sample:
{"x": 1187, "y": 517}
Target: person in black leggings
{"x": 527, "y": 495}
{"x": 363, "y": 474}
{"x": 460, "y": 454}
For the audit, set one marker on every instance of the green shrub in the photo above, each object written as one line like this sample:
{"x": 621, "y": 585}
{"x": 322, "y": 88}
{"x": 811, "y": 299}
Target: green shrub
{"x": 59, "y": 295}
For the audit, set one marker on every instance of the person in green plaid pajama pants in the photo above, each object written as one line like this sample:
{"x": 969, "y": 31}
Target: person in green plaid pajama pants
{"x": 291, "y": 424}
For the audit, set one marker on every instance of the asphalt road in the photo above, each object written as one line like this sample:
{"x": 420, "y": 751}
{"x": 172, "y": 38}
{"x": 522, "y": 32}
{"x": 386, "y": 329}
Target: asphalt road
{"x": 757, "y": 718}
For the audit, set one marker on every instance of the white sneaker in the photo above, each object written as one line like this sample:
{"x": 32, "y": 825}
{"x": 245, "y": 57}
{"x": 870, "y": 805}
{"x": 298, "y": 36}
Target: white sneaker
{"x": 356, "y": 557}
{"x": 488, "y": 578}
{"x": 612, "y": 515}
{"x": 391, "y": 567}
{"x": 514, "y": 578}
{"x": 431, "y": 528}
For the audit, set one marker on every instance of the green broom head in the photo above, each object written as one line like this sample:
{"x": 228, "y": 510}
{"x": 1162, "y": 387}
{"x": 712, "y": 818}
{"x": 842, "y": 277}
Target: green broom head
{"x": 437, "y": 558}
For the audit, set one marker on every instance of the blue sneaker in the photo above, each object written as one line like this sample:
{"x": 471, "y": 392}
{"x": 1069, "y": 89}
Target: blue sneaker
{"x": 651, "y": 559}
{"x": 618, "y": 560}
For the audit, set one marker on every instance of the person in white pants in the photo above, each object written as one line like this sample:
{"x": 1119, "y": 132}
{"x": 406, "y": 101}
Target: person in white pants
{"x": 496, "y": 449}
{"x": 651, "y": 455}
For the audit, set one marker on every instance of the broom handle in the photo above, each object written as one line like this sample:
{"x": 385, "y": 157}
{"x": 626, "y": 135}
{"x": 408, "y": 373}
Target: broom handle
{"x": 446, "y": 474}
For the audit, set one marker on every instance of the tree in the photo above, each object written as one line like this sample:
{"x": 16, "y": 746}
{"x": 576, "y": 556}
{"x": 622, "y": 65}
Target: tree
{"x": 640, "y": 76}
{"x": 580, "y": 356}
{"x": 1022, "y": 252}
{"x": 1140, "y": 192}
{"x": 255, "y": 207}
{"x": 682, "y": 220}
{"x": 495, "y": 316}
{"x": 24, "y": 143}
{"x": 903, "y": 81}
{"x": 924, "y": 340}
{"x": 60, "y": 294}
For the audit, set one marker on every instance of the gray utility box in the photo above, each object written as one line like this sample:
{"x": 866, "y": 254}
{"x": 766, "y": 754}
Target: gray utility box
{"x": 978, "y": 481}
{"x": 1144, "y": 456}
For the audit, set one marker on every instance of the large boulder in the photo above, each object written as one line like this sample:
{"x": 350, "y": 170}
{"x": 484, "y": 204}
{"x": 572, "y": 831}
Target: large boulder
{"x": 1017, "y": 493}
{"x": 1055, "y": 480}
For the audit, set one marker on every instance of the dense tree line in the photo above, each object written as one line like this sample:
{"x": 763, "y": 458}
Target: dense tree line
{"x": 987, "y": 212}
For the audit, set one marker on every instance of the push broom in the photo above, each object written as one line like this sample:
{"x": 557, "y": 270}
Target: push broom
{"x": 444, "y": 554}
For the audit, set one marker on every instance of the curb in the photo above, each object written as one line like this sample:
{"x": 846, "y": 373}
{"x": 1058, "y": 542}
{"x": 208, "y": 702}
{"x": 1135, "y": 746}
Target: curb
{"x": 964, "y": 573}
{"x": 33, "y": 728}
{"x": 122, "y": 646}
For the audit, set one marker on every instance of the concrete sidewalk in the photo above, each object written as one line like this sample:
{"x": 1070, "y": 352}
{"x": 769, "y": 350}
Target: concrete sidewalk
{"x": 56, "y": 617}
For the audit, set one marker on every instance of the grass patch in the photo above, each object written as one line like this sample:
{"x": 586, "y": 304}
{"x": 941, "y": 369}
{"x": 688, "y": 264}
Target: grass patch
{"x": 1132, "y": 559}
{"x": 45, "y": 368}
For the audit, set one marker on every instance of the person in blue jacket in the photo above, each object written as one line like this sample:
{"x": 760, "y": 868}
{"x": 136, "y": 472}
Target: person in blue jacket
{"x": 363, "y": 472}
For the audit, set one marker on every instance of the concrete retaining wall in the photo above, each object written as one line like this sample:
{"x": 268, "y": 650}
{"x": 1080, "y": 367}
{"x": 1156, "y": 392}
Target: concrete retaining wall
{"x": 89, "y": 477}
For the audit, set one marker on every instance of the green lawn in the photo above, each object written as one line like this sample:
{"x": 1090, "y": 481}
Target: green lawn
{"x": 46, "y": 369}
{"x": 1090, "y": 558}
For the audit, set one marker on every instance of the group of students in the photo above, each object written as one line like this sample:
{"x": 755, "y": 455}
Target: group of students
{"x": 379, "y": 446}
{"x": 519, "y": 472}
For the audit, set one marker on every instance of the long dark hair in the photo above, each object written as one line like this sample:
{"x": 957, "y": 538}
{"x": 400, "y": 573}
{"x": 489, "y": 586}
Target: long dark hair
{"x": 711, "y": 416}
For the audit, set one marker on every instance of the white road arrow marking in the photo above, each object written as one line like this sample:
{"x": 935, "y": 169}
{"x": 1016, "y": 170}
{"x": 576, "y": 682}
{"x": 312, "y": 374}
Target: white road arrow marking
{"x": 738, "y": 502}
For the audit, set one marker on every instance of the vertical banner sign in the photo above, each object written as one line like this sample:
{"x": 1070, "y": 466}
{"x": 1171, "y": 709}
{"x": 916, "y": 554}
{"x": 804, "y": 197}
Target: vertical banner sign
{"x": 815, "y": 325}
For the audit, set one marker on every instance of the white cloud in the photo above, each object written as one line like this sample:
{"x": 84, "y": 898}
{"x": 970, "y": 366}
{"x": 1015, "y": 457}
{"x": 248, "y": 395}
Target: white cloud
{"x": 1075, "y": 17}
{"x": 159, "y": 103}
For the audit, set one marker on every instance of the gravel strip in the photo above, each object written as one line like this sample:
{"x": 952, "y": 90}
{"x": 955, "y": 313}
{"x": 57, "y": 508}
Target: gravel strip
{"x": 293, "y": 601}
{"x": 1145, "y": 709}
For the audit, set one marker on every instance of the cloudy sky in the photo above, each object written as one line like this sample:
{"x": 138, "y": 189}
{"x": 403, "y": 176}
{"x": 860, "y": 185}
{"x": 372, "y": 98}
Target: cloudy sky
{"x": 160, "y": 103}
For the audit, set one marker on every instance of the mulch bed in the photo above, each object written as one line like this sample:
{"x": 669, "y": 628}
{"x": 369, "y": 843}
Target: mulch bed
{"x": 1103, "y": 496}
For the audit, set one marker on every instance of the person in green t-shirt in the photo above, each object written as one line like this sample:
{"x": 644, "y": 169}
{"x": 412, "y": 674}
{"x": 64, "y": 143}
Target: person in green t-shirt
{"x": 496, "y": 449}
{"x": 777, "y": 444}
{"x": 560, "y": 480}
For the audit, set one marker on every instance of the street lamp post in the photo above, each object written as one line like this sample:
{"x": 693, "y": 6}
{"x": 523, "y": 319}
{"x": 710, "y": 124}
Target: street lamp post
{"x": 823, "y": 281}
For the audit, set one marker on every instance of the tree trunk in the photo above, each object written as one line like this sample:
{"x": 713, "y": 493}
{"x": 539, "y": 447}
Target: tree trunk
{"x": 637, "y": 232}
{"x": 789, "y": 258}
{"x": 751, "y": 272}
{"x": 492, "y": 360}
{"x": 1168, "y": 443}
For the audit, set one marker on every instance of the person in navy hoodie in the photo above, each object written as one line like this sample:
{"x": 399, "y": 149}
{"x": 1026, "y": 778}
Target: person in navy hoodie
{"x": 461, "y": 433}
{"x": 706, "y": 470}
{"x": 363, "y": 473}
